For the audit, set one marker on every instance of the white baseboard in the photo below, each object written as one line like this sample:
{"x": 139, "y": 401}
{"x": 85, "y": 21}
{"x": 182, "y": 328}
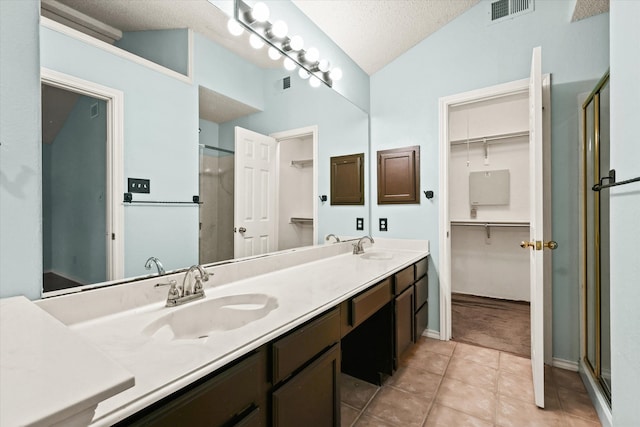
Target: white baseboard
{"x": 569, "y": 365}
{"x": 430, "y": 333}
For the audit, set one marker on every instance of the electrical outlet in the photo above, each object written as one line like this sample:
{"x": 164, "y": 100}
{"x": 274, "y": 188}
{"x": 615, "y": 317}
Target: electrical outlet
{"x": 359, "y": 223}
{"x": 138, "y": 185}
{"x": 383, "y": 224}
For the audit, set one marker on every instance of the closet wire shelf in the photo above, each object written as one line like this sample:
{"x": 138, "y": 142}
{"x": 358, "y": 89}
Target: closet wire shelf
{"x": 488, "y": 224}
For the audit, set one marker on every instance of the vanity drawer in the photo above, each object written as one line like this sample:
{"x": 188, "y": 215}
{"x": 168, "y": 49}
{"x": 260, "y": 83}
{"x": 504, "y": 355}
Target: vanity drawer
{"x": 403, "y": 279}
{"x": 370, "y": 301}
{"x": 234, "y": 394}
{"x": 421, "y": 267}
{"x": 301, "y": 345}
{"x": 422, "y": 292}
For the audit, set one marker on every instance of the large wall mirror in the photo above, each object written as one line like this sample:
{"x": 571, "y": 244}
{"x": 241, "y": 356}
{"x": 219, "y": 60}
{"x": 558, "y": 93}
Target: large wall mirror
{"x": 163, "y": 107}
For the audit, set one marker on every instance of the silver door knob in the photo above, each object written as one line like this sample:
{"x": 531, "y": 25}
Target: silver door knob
{"x": 242, "y": 229}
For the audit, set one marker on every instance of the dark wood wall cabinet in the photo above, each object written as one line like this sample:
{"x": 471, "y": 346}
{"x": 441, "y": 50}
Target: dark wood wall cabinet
{"x": 295, "y": 379}
{"x": 399, "y": 175}
{"x": 347, "y": 180}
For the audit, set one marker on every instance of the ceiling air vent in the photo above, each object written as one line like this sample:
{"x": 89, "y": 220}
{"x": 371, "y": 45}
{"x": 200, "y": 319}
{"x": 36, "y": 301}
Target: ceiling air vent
{"x": 286, "y": 83}
{"x": 508, "y": 9}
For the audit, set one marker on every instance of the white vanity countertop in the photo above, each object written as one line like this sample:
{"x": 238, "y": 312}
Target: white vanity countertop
{"x": 162, "y": 365}
{"x": 48, "y": 372}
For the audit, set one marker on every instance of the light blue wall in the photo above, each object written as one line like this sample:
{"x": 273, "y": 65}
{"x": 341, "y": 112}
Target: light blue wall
{"x": 220, "y": 70}
{"x": 73, "y": 195}
{"x": 209, "y": 135}
{"x": 165, "y": 47}
{"x": 625, "y": 209}
{"x": 342, "y": 129}
{"x": 161, "y": 144}
{"x": 469, "y": 54}
{"x": 20, "y": 152}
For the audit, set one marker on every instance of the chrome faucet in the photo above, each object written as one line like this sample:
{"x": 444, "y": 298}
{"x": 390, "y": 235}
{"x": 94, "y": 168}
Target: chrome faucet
{"x": 329, "y": 236}
{"x": 181, "y": 294}
{"x": 357, "y": 247}
{"x": 158, "y": 264}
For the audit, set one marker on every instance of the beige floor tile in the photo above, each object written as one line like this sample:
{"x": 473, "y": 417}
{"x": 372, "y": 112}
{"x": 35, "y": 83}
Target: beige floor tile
{"x": 577, "y": 404}
{"x": 415, "y": 381}
{"x": 579, "y": 422}
{"x": 398, "y": 407}
{"x": 472, "y": 373}
{"x": 568, "y": 380}
{"x": 466, "y": 398}
{"x": 356, "y": 393}
{"x": 515, "y": 386}
{"x": 348, "y": 415}
{"x": 369, "y": 421}
{"x": 442, "y": 416}
{"x": 517, "y": 413}
{"x": 437, "y": 346}
{"x": 516, "y": 364}
{"x": 420, "y": 357}
{"x": 480, "y": 355}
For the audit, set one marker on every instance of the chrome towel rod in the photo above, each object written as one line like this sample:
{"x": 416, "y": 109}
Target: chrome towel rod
{"x": 128, "y": 198}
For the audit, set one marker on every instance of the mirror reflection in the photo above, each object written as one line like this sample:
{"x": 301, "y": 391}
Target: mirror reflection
{"x": 185, "y": 116}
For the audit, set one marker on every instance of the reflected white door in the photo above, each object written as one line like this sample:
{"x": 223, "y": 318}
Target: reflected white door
{"x": 254, "y": 193}
{"x": 536, "y": 238}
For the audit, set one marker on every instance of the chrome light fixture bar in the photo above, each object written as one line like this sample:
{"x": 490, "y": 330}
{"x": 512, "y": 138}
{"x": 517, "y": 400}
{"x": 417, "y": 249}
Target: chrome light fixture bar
{"x": 256, "y": 21}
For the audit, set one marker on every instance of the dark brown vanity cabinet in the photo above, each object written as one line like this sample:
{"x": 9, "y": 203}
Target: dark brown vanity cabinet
{"x": 234, "y": 395}
{"x": 306, "y": 374}
{"x": 421, "y": 300}
{"x": 410, "y": 306}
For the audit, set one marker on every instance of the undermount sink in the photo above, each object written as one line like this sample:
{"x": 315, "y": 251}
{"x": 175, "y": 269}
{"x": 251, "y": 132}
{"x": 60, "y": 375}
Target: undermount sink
{"x": 380, "y": 256}
{"x": 196, "y": 320}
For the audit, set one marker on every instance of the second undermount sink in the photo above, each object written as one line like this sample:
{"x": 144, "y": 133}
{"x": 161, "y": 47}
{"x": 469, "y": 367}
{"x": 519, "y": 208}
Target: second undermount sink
{"x": 377, "y": 255}
{"x": 198, "y": 319}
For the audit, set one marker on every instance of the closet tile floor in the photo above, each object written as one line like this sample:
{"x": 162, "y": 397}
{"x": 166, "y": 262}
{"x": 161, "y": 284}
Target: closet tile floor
{"x": 454, "y": 384}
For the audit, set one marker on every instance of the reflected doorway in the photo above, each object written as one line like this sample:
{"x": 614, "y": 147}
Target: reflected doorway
{"x": 74, "y": 187}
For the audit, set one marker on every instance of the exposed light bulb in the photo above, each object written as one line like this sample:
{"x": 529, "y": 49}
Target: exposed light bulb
{"x": 314, "y": 82}
{"x": 304, "y": 74}
{"x": 255, "y": 41}
{"x": 296, "y": 43}
{"x": 324, "y": 65}
{"x": 234, "y": 27}
{"x": 289, "y": 64}
{"x": 260, "y": 12}
{"x": 274, "y": 54}
{"x": 279, "y": 29}
{"x": 335, "y": 74}
{"x": 311, "y": 55}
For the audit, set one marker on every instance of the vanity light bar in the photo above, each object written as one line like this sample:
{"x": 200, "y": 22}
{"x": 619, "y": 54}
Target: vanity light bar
{"x": 256, "y": 21}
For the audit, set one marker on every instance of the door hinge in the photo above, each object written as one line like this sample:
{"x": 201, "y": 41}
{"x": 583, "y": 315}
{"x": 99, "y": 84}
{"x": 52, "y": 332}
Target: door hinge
{"x": 113, "y": 236}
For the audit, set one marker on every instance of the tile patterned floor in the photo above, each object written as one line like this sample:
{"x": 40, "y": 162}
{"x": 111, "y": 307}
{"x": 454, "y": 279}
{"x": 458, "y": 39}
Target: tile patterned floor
{"x": 454, "y": 384}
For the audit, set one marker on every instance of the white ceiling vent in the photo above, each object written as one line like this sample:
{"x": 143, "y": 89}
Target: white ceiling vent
{"x": 501, "y": 10}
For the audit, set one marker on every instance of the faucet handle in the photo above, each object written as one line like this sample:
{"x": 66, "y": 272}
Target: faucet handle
{"x": 174, "y": 293}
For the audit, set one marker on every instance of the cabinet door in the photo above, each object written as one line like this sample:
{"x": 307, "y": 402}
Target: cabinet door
{"x": 311, "y": 398}
{"x": 347, "y": 180}
{"x": 233, "y": 395}
{"x": 404, "y": 317}
{"x": 399, "y": 175}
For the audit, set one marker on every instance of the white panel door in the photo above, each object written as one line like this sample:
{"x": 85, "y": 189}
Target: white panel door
{"x": 536, "y": 238}
{"x": 254, "y": 193}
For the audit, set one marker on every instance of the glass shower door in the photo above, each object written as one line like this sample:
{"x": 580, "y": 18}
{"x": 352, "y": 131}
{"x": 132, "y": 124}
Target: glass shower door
{"x": 596, "y": 291}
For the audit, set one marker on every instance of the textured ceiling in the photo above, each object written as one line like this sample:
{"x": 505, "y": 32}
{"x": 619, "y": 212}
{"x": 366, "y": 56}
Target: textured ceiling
{"x": 587, "y": 8}
{"x": 375, "y": 32}
{"x": 372, "y": 32}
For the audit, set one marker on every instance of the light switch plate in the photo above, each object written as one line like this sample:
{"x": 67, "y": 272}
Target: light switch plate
{"x": 139, "y": 185}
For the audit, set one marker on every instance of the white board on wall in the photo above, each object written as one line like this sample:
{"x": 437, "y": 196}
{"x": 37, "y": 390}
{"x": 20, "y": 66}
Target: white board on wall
{"x": 489, "y": 188}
